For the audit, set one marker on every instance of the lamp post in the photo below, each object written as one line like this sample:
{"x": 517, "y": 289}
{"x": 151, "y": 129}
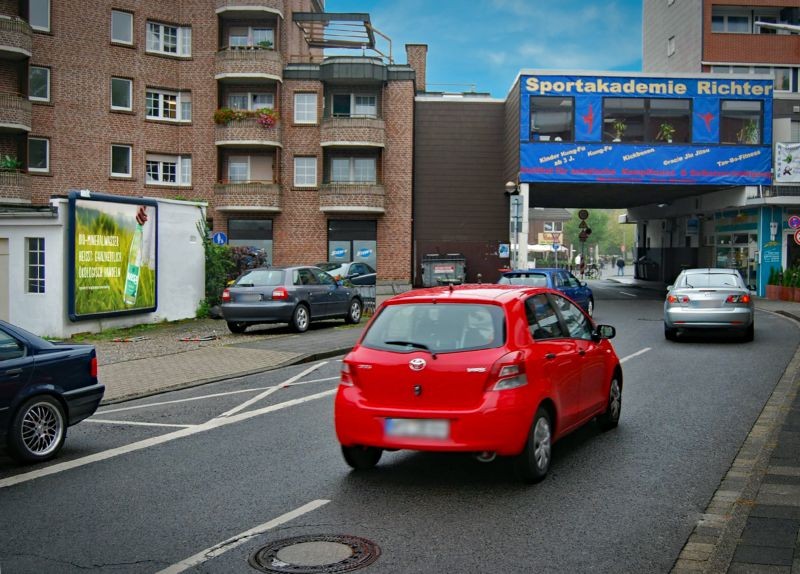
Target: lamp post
{"x": 515, "y": 220}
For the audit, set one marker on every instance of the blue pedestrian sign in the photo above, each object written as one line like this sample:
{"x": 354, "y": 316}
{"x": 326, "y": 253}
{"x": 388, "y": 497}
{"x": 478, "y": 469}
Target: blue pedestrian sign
{"x": 219, "y": 238}
{"x": 504, "y": 251}
{"x": 556, "y": 246}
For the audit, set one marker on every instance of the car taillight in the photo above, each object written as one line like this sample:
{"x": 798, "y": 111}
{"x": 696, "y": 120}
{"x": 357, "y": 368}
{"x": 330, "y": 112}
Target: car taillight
{"x": 346, "y": 375}
{"x": 93, "y": 367}
{"x": 508, "y": 372}
{"x": 742, "y": 299}
{"x": 280, "y": 293}
{"x": 226, "y": 296}
{"x": 677, "y": 299}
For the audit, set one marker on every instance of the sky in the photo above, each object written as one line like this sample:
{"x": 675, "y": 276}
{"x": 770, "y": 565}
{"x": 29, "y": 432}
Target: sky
{"x": 481, "y": 45}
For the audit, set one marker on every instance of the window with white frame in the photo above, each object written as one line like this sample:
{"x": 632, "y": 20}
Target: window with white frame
{"x": 353, "y": 170}
{"x": 305, "y": 171}
{"x": 38, "y": 154}
{"x": 251, "y": 37}
{"x": 553, "y": 226}
{"x": 121, "y": 27}
{"x": 670, "y": 46}
{"x": 238, "y": 169}
{"x": 305, "y": 108}
{"x": 39, "y": 15}
{"x": 170, "y": 106}
{"x": 171, "y": 40}
{"x": 121, "y": 160}
{"x": 355, "y": 105}
{"x": 121, "y": 94}
{"x": 39, "y": 84}
{"x": 251, "y": 101}
{"x": 250, "y": 168}
{"x": 728, "y": 21}
{"x": 35, "y": 259}
{"x": 168, "y": 169}
{"x": 782, "y": 76}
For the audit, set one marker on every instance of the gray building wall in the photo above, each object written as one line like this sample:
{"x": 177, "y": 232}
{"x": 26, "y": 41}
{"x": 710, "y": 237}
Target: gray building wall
{"x": 661, "y": 20}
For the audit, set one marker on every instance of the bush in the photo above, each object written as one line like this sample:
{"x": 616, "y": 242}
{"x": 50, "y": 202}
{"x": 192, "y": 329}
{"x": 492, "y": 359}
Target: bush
{"x": 244, "y": 258}
{"x": 219, "y": 265}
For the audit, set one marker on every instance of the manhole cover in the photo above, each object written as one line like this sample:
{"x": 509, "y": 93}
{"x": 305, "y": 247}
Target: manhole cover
{"x": 315, "y": 554}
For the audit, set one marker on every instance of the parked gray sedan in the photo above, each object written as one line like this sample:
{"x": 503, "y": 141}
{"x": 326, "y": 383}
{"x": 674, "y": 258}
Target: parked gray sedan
{"x": 294, "y": 295}
{"x": 709, "y": 299}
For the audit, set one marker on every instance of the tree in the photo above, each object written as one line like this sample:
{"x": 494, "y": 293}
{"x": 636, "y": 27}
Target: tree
{"x": 598, "y": 222}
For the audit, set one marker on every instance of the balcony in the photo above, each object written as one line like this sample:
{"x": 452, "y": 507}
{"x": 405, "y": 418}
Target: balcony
{"x": 16, "y": 38}
{"x": 250, "y": 196}
{"x": 248, "y": 65}
{"x": 351, "y": 198}
{"x": 15, "y": 187}
{"x": 247, "y": 133}
{"x": 15, "y": 114}
{"x": 353, "y": 132}
{"x": 248, "y": 8}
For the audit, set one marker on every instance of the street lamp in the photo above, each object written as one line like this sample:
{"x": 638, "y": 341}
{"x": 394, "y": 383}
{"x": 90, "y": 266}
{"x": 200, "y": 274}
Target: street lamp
{"x": 515, "y": 222}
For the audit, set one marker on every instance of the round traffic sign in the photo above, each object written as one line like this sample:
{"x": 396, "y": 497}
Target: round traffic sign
{"x": 556, "y": 246}
{"x": 794, "y": 221}
{"x": 219, "y": 238}
{"x": 583, "y": 214}
{"x": 797, "y": 236}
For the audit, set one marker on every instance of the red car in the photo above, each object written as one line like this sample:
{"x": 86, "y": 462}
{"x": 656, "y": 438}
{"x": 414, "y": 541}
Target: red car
{"x": 487, "y": 369}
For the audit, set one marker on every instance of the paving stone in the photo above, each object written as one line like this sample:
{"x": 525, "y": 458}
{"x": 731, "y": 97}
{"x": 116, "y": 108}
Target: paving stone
{"x": 741, "y": 568}
{"x": 773, "y": 511}
{"x": 778, "y": 532}
{"x": 764, "y": 555}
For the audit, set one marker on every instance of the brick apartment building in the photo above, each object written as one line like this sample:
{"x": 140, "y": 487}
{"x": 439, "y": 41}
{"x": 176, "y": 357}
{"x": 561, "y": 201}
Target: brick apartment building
{"x": 124, "y": 98}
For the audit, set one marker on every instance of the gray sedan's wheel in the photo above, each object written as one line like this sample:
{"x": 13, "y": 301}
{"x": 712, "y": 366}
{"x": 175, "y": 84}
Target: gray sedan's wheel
{"x": 534, "y": 461}
{"x": 670, "y": 334}
{"x": 38, "y": 430}
{"x": 300, "y": 319}
{"x": 361, "y": 457}
{"x": 610, "y": 419}
{"x": 590, "y": 307}
{"x": 237, "y": 326}
{"x": 354, "y": 313}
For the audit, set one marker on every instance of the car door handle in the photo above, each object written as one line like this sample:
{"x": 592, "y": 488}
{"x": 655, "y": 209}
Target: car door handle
{"x": 550, "y": 356}
{"x": 582, "y": 352}
{"x": 14, "y": 372}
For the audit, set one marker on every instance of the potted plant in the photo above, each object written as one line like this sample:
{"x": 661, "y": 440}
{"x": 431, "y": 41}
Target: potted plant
{"x": 265, "y": 45}
{"x": 749, "y": 134}
{"x": 227, "y": 115}
{"x": 619, "y": 128}
{"x": 266, "y": 117}
{"x": 773, "y": 284}
{"x": 10, "y": 163}
{"x": 665, "y": 132}
{"x": 786, "y": 285}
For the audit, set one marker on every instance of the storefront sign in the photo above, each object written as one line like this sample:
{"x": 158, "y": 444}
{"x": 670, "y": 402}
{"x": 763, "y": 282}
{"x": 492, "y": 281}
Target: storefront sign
{"x": 549, "y": 237}
{"x": 787, "y": 162}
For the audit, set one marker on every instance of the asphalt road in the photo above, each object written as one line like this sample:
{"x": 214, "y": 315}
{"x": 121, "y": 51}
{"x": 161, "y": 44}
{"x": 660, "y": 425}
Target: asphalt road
{"x": 131, "y": 494}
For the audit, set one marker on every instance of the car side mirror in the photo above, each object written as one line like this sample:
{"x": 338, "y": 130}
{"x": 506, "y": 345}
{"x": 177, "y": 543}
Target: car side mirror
{"x": 669, "y": 287}
{"x": 604, "y": 332}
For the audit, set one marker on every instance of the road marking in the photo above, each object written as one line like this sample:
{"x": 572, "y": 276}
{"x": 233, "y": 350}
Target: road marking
{"x": 268, "y": 392}
{"x": 239, "y": 539}
{"x": 136, "y": 423}
{"x": 628, "y": 294}
{"x": 154, "y": 441}
{"x": 636, "y": 354}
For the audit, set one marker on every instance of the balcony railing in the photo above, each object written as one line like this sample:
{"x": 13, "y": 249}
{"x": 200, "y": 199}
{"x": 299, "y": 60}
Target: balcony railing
{"x": 351, "y": 198}
{"x": 252, "y": 64}
{"x": 15, "y": 187}
{"x": 353, "y": 131}
{"x": 15, "y": 113}
{"x": 248, "y": 196}
{"x": 247, "y": 132}
{"x": 16, "y": 38}
{"x": 239, "y": 6}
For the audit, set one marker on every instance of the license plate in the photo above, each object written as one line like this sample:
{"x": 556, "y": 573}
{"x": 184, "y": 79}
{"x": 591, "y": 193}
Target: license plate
{"x": 249, "y": 297}
{"x": 418, "y": 428}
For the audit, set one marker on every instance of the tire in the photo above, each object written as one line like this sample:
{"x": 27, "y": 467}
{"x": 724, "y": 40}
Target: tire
{"x": 610, "y": 419}
{"x": 750, "y": 334}
{"x": 237, "y": 326}
{"x": 361, "y": 457}
{"x": 354, "y": 314}
{"x": 590, "y": 307}
{"x": 37, "y": 430}
{"x": 534, "y": 460}
{"x": 300, "y": 319}
{"x": 670, "y": 334}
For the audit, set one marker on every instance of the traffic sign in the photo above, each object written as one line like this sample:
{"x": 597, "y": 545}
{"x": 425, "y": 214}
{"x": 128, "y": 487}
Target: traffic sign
{"x": 582, "y": 225}
{"x": 219, "y": 238}
{"x": 797, "y": 236}
{"x": 504, "y": 251}
{"x": 556, "y": 246}
{"x": 583, "y": 214}
{"x": 794, "y": 221}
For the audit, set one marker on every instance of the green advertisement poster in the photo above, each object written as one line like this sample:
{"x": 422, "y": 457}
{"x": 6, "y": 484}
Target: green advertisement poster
{"x": 113, "y": 256}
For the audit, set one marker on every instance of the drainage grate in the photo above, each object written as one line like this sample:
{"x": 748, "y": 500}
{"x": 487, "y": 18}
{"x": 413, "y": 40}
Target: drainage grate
{"x": 315, "y": 554}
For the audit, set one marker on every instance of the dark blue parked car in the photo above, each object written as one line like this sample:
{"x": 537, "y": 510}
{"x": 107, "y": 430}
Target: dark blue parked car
{"x": 44, "y": 388}
{"x": 559, "y": 279}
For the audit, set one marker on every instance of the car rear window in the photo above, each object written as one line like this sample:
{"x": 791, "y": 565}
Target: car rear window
{"x": 260, "y": 278}
{"x": 528, "y": 279}
{"x": 711, "y": 280}
{"x": 439, "y": 328}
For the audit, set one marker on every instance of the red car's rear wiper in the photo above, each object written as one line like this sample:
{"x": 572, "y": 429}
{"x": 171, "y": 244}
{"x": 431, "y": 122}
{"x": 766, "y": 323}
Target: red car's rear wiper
{"x": 422, "y": 346}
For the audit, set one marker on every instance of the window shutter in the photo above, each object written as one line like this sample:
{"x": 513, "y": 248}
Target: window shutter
{"x": 153, "y": 39}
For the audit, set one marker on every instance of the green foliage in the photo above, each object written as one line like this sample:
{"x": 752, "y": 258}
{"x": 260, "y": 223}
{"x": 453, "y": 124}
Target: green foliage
{"x": 665, "y": 132}
{"x": 11, "y": 163}
{"x": 265, "y": 44}
{"x": 246, "y": 258}
{"x": 219, "y": 265}
{"x": 619, "y": 127}
{"x": 774, "y": 276}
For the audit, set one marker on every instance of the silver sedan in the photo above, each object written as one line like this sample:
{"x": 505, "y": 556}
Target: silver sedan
{"x": 709, "y": 299}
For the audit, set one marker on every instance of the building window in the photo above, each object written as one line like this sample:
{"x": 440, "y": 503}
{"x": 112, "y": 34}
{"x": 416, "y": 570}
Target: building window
{"x": 168, "y": 169}
{"x": 121, "y": 27}
{"x": 244, "y": 37}
{"x": 121, "y": 94}
{"x": 649, "y": 120}
{"x": 39, "y": 17}
{"x": 38, "y": 155}
{"x": 353, "y": 170}
{"x": 170, "y": 106}
{"x": 553, "y": 226}
{"x": 35, "y": 259}
{"x": 730, "y": 23}
{"x": 552, "y": 119}
{"x": 740, "y": 122}
{"x": 252, "y": 233}
{"x": 305, "y": 108}
{"x": 669, "y": 120}
{"x": 782, "y": 76}
{"x": 121, "y": 160}
{"x": 305, "y": 171}
{"x": 670, "y": 46}
{"x": 39, "y": 84}
{"x": 251, "y": 101}
{"x": 795, "y": 131}
{"x": 355, "y": 106}
{"x": 171, "y": 40}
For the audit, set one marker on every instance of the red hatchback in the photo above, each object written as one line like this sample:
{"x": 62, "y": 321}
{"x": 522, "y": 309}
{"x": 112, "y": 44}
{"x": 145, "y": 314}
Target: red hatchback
{"x": 489, "y": 369}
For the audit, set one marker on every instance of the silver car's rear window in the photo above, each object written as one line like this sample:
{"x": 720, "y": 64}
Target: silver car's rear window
{"x": 713, "y": 280}
{"x": 439, "y": 328}
{"x": 529, "y": 279}
{"x": 260, "y": 278}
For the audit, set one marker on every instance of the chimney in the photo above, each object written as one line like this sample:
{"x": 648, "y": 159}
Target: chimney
{"x": 417, "y": 55}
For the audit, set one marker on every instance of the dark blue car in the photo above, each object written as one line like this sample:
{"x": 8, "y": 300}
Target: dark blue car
{"x": 559, "y": 279}
{"x": 44, "y": 388}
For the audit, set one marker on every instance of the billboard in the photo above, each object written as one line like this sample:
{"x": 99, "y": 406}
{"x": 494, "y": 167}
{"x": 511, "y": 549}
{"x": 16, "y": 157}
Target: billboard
{"x": 787, "y": 162}
{"x": 112, "y": 255}
{"x": 724, "y": 129}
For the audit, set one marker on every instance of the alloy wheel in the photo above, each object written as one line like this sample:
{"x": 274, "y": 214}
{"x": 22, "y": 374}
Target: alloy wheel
{"x": 42, "y": 427}
{"x": 541, "y": 443}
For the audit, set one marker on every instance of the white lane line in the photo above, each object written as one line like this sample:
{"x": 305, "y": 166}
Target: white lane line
{"x": 628, "y": 294}
{"x": 176, "y": 401}
{"x": 154, "y": 441}
{"x": 268, "y": 392}
{"x": 312, "y": 381}
{"x": 636, "y": 354}
{"x": 136, "y": 423}
{"x": 239, "y": 539}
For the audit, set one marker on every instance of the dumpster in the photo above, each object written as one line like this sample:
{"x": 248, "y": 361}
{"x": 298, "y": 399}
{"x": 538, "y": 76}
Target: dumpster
{"x": 443, "y": 269}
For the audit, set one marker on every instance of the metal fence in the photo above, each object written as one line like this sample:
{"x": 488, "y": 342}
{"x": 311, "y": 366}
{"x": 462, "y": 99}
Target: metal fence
{"x": 368, "y": 296}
